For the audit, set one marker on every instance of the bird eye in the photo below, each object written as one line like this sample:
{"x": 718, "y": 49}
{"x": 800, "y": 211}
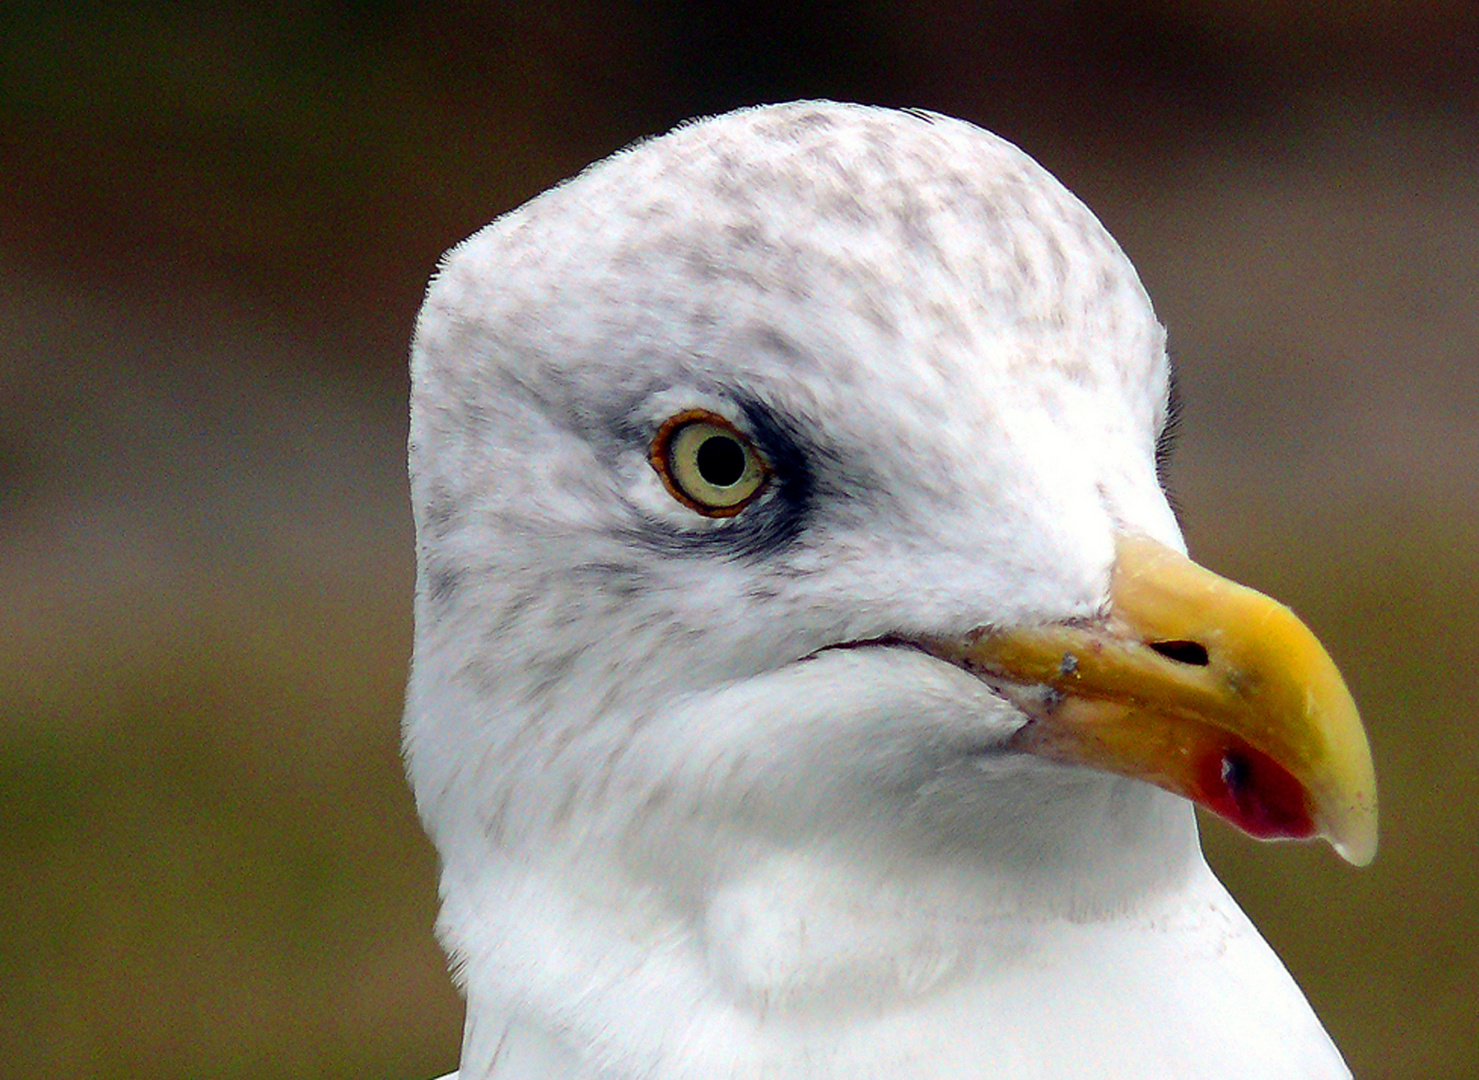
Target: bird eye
{"x": 707, "y": 464}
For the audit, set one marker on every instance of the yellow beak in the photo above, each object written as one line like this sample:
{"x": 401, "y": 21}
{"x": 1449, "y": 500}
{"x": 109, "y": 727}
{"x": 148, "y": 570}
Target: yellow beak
{"x": 1202, "y": 687}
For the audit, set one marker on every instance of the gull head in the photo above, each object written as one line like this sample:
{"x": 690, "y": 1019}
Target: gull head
{"x": 790, "y": 538}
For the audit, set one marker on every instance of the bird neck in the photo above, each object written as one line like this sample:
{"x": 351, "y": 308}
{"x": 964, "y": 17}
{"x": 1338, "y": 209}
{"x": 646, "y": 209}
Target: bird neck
{"x": 779, "y": 950}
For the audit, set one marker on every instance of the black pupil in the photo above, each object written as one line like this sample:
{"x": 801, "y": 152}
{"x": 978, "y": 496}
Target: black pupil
{"x": 721, "y": 461}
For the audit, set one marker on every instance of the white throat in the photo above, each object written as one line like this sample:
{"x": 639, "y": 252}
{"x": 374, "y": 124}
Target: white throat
{"x": 817, "y": 965}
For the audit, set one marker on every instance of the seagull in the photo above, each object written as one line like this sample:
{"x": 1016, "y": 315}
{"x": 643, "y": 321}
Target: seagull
{"x": 809, "y": 678}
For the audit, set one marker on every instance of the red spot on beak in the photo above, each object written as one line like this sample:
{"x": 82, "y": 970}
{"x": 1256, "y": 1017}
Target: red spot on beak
{"x": 1255, "y": 793}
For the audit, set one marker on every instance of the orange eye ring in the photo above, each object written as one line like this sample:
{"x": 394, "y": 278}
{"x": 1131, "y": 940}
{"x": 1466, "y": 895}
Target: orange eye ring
{"x": 707, "y": 464}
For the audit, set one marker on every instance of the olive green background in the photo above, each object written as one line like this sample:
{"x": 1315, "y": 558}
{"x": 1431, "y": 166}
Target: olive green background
{"x": 214, "y": 235}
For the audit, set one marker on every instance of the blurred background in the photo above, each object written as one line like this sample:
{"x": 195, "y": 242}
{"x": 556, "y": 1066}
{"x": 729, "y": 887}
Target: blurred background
{"x": 215, "y": 231}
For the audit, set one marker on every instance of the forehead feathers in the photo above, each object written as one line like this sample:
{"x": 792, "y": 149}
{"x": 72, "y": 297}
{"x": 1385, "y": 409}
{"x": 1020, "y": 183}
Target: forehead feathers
{"x": 885, "y": 232}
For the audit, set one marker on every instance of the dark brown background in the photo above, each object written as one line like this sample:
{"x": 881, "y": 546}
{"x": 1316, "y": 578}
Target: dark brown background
{"x": 214, "y": 234}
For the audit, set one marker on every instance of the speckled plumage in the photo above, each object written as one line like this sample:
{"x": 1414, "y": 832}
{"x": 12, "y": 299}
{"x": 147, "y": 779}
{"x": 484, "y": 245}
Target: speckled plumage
{"x": 677, "y": 839}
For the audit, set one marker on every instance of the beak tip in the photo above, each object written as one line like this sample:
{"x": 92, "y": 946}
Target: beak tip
{"x": 1356, "y": 841}
{"x": 1358, "y": 854}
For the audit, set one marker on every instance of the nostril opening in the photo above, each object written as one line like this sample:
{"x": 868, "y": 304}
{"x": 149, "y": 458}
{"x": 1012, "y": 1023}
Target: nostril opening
{"x": 1193, "y": 653}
